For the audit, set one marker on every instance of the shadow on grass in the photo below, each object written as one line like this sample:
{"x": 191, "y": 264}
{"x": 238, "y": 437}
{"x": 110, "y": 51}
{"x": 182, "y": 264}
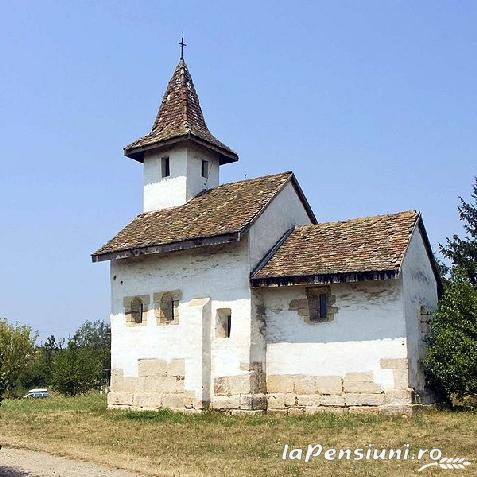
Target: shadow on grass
{"x": 321, "y": 420}
{"x": 11, "y": 472}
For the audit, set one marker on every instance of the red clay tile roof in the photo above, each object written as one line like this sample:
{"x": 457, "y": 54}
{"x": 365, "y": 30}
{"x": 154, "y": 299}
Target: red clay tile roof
{"x": 338, "y": 251}
{"x": 219, "y": 214}
{"x": 179, "y": 118}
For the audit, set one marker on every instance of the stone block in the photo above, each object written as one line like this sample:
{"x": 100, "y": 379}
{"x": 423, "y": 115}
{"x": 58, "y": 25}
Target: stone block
{"x": 329, "y": 384}
{"x": 163, "y": 384}
{"x": 258, "y": 383}
{"x": 361, "y": 387}
{"x": 401, "y": 378}
{"x": 398, "y": 396}
{"x": 276, "y": 401}
{"x": 120, "y": 398}
{"x": 317, "y": 400}
{"x": 147, "y": 400}
{"x": 176, "y": 368}
{"x": 397, "y": 410}
{"x": 230, "y": 385}
{"x": 306, "y": 385}
{"x": 290, "y": 400}
{"x": 332, "y": 400}
{"x": 253, "y": 401}
{"x": 152, "y": 367}
{"x": 141, "y": 384}
{"x": 364, "y": 410}
{"x": 119, "y": 383}
{"x": 173, "y": 401}
{"x": 321, "y": 409}
{"x": 311, "y": 400}
{"x": 394, "y": 363}
{"x": 225, "y": 402}
{"x": 281, "y": 383}
{"x": 353, "y": 399}
{"x": 362, "y": 377}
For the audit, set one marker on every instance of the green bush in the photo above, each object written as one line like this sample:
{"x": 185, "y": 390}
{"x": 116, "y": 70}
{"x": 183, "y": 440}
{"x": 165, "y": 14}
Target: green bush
{"x": 451, "y": 361}
{"x": 76, "y": 370}
{"x": 17, "y": 347}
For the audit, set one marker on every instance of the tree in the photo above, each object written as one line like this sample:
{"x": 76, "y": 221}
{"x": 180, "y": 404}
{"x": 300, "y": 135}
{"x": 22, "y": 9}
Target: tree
{"x": 96, "y": 336}
{"x": 17, "y": 347}
{"x": 463, "y": 251}
{"x": 451, "y": 361}
{"x": 39, "y": 371}
{"x": 76, "y": 370}
{"x": 84, "y": 363}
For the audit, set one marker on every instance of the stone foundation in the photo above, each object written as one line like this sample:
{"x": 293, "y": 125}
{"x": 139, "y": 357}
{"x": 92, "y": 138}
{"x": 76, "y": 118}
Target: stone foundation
{"x": 160, "y": 384}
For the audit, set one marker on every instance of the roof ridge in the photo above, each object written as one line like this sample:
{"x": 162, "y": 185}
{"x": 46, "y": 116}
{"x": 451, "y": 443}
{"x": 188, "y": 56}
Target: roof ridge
{"x": 366, "y": 217}
{"x": 254, "y": 179}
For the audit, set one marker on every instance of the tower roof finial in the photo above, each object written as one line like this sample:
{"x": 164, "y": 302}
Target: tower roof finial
{"x": 182, "y": 47}
{"x": 179, "y": 119}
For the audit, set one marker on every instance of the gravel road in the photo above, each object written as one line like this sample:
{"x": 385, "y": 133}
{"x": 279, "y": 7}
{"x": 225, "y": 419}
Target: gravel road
{"x": 26, "y": 463}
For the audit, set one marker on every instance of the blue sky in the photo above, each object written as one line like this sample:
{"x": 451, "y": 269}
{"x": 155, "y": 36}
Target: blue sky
{"x": 372, "y": 104}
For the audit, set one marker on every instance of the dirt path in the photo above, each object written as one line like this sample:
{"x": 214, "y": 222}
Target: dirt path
{"x": 26, "y": 463}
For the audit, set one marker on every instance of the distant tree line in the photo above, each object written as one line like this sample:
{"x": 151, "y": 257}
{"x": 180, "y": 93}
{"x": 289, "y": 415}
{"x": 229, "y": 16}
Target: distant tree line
{"x": 73, "y": 366}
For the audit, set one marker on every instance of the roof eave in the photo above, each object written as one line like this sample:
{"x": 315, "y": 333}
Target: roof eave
{"x": 167, "y": 248}
{"x": 226, "y": 156}
{"x": 324, "y": 278}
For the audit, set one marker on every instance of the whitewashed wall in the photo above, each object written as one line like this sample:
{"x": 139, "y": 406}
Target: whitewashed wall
{"x": 285, "y": 211}
{"x": 185, "y": 180}
{"x": 369, "y": 325}
{"x": 221, "y": 274}
{"x": 419, "y": 290}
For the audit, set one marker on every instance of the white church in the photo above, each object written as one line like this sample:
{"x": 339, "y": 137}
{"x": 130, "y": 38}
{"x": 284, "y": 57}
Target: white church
{"x": 235, "y": 297}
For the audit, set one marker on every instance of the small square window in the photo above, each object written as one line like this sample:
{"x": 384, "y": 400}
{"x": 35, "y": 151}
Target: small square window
{"x": 224, "y": 323}
{"x": 166, "y": 170}
{"x": 205, "y": 169}
{"x": 174, "y": 310}
{"x": 318, "y": 304}
{"x": 137, "y": 309}
{"x": 323, "y": 306}
{"x": 166, "y": 306}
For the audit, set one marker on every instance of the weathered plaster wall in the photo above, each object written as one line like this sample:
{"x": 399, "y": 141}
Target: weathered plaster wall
{"x": 357, "y": 359}
{"x": 285, "y": 211}
{"x": 196, "y": 183}
{"x": 217, "y": 279}
{"x": 419, "y": 300}
{"x": 185, "y": 180}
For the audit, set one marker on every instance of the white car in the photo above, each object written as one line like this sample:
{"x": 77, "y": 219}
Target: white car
{"x": 37, "y": 393}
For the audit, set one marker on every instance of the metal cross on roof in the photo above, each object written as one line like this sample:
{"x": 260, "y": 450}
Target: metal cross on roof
{"x": 182, "y": 47}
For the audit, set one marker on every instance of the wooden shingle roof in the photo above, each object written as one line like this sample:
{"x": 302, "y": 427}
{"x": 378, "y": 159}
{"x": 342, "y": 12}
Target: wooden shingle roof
{"x": 352, "y": 250}
{"x": 179, "y": 118}
{"x": 215, "y": 216}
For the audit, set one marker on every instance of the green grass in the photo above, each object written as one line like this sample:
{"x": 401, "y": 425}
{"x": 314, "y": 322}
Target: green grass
{"x": 213, "y": 444}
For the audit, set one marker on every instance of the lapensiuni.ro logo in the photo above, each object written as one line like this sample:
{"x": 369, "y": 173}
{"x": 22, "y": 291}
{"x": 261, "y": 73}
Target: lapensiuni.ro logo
{"x": 372, "y": 453}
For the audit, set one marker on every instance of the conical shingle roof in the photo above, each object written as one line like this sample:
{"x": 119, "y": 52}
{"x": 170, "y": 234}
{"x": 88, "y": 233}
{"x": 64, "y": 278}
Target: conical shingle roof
{"x": 179, "y": 118}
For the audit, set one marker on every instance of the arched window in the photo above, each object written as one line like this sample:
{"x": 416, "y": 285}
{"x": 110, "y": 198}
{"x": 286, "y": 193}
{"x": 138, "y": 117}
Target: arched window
{"x": 137, "y": 309}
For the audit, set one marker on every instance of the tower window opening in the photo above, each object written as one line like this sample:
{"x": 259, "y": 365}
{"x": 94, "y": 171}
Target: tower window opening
{"x": 205, "y": 169}
{"x": 165, "y": 166}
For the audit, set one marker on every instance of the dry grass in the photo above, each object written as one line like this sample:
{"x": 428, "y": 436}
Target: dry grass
{"x": 165, "y": 443}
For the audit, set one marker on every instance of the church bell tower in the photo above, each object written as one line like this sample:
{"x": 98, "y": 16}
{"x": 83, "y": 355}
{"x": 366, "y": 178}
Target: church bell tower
{"x": 180, "y": 155}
